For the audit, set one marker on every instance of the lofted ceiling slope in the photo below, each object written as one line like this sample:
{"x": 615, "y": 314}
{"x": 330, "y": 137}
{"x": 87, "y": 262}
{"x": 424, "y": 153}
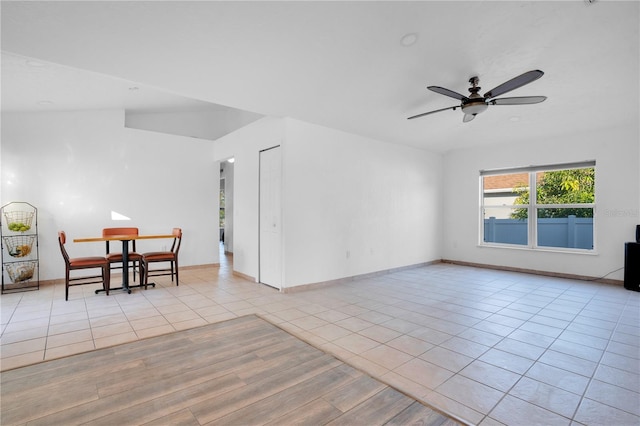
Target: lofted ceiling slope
{"x": 344, "y": 65}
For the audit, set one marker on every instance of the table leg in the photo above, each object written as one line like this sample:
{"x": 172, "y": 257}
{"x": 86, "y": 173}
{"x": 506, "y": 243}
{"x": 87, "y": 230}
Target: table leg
{"x": 125, "y": 272}
{"x": 125, "y": 265}
{"x": 125, "y": 269}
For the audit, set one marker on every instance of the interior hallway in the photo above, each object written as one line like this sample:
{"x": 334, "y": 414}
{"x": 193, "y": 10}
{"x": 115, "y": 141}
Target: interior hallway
{"x": 489, "y": 347}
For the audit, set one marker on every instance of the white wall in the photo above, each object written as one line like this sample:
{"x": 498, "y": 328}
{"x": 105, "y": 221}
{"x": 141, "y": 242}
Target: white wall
{"x": 245, "y": 145}
{"x": 616, "y": 152}
{"x": 76, "y": 167}
{"x": 210, "y": 123}
{"x": 354, "y": 205}
{"x": 341, "y": 192}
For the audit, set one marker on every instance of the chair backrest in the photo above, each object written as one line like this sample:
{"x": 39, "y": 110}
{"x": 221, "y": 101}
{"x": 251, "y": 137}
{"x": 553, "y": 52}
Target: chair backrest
{"x": 119, "y": 231}
{"x": 62, "y": 239}
{"x": 177, "y": 234}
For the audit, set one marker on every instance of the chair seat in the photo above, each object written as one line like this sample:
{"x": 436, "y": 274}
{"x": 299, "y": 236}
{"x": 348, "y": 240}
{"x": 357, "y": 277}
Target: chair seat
{"x": 87, "y": 261}
{"x": 117, "y": 257}
{"x": 159, "y": 256}
{"x": 170, "y": 256}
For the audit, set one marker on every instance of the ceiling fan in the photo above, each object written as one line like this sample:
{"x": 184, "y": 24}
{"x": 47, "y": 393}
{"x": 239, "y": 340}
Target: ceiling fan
{"x": 474, "y": 104}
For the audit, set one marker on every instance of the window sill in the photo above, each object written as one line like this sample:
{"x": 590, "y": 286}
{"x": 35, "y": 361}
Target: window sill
{"x": 541, "y": 249}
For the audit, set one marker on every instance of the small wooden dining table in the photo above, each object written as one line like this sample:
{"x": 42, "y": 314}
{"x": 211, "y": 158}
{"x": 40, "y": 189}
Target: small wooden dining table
{"x": 125, "y": 254}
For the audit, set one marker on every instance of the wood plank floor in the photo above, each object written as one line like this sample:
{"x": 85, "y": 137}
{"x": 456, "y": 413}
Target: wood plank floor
{"x": 244, "y": 371}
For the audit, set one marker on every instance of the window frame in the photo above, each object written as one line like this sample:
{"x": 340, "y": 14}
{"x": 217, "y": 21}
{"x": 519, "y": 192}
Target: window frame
{"x": 533, "y": 207}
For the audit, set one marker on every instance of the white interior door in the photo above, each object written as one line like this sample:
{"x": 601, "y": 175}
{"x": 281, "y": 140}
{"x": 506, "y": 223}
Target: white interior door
{"x": 270, "y": 268}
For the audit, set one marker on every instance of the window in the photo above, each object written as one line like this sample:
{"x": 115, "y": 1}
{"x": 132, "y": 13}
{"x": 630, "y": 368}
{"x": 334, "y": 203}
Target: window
{"x": 539, "y": 206}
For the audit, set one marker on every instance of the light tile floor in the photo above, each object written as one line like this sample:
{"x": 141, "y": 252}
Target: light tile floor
{"x": 489, "y": 347}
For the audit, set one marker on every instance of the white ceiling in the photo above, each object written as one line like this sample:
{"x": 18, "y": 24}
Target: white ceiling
{"x": 29, "y": 84}
{"x": 337, "y": 64}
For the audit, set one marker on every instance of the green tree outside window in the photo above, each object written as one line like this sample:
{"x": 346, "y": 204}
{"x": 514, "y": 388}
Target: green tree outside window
{"x": 574, "y": 186}
{"x": 222, "y": 207}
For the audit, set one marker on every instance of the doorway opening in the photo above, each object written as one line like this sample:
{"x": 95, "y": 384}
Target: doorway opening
{"x": 225, "y": 219}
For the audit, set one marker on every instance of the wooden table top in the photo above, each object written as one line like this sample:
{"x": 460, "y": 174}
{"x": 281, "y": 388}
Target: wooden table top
{"x": 122, "y": 237}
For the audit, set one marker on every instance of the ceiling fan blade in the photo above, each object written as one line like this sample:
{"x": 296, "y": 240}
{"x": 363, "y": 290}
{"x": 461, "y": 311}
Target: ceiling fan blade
{"x": 468, "y": 117}
{"x": 514, "y": 83}
{"x": 447, "y": 92}
{"x": 432, "y": 112}
{"x": 523, "y": 100}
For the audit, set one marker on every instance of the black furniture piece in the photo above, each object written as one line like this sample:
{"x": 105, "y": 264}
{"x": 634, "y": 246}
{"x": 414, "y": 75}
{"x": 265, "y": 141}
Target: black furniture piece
{"x": 632, "y": 266}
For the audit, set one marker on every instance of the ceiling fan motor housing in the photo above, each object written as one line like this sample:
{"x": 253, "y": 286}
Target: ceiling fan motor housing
{"x": 474, "y": 104}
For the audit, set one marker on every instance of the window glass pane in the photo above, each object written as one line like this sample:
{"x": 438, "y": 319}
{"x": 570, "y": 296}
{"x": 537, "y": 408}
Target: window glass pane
{"x": 573, "y": 186}
{"x": 568, "y": 228}
{"x": 564, "y": 206}
{"x": 504, "y": 190}
{"x": 505, "y": 225}
{"x": 222, "y": 203}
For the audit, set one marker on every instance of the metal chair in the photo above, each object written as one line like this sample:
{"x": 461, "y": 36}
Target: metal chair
{"x": 76, "y": 263}
{"x": 135, "y": 259}
{"x": 170, "y": 256}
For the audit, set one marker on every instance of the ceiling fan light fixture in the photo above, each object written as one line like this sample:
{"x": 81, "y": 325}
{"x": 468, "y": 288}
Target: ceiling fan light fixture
{"x": 474, "y": 106}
